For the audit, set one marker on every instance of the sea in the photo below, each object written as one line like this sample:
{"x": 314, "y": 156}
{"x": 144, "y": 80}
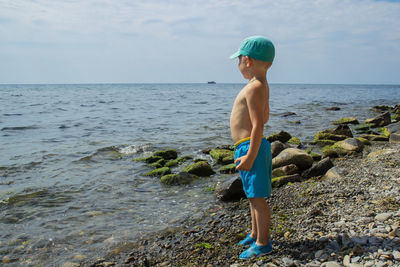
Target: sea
{"x": 70, "y": 189}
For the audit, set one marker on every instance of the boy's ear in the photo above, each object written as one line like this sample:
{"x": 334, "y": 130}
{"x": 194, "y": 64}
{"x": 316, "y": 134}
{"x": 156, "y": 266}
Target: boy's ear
{"x": 249, "y": 61}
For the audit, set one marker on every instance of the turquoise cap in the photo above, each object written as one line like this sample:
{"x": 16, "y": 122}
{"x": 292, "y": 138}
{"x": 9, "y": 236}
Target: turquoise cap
{"x": 257, "y": 47}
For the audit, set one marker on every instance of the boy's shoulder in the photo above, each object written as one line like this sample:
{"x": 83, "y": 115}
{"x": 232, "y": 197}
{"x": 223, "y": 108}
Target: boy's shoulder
{"x": 255, "y": 87}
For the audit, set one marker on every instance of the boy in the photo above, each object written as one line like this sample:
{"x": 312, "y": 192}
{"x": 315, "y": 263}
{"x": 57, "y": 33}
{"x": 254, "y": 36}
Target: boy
{"x": 252, "y": 151}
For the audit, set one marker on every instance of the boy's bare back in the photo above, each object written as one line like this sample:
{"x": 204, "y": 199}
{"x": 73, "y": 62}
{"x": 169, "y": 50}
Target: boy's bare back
{"x": 256, "y": 92}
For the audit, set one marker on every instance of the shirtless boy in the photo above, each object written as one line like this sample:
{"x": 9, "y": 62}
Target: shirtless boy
{"x": 252, "y": 151}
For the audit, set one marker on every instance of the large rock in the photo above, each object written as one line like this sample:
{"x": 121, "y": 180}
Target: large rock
{"x": 380, "y": 120}
{"x": 348, "y": 120}
{"x": 224, "y": 156}
{"x": 230, "y": 168}
{"x": 178, "y": 179}
{"x": 349, "y": 146}
{"x": 166, "y": 154}
{"x": 276, "y": 148}
{"x": 294, "y": 156}
{"x": 279, "y": 181}
{"x": 231, "y": 189}
{"x": 394, "y": 137}
{"x": 328, "y": 135}
{"x": 159, "y": 172}
{"x": 332, "y": 174}
{"x": 342, "y": 129}
{"x": 318, "y": 169}
{"x": 281, "y": 136}
{"x": 200, "y": 168}
{"x": 374, "y": 137}
{"x": 285, "y": 170}
{"x": 394, "y": 127}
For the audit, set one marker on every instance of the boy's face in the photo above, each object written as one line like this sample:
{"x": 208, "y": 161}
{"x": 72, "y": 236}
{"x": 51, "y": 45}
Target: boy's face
{"x": 243, "y": 68}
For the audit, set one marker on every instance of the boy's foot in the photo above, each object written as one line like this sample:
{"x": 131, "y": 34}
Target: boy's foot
{"x": 247, "y": 241}
{"x": 256, "y": 251}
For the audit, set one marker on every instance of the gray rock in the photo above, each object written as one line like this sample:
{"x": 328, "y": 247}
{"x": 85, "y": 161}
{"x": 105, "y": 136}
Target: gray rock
{"x": 279, "y": 181}
{"x": 342, "y": 129}
{"x": 396, "y": 255}
{"x": 349, "y": 146}
{"x": 200, "y": 168}
{"x": 383, "y": 216}
{"x": 231, "y": 189}
{"x": 318, "y": 169}
{"x": 276, "y": 148}
{"x": 287, "y": 262}
{"x": 380, "y": 120}
{"x": 394, "y": 137}
{"x": 293, "y": 156}
{"x": 285, "y": 170}
{"x": 330, "y": 264}
{"x": 332, "y": 174}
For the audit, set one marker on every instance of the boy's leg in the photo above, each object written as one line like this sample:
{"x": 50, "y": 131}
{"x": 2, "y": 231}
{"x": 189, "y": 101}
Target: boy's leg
{"x": 262, "y": 216}
{"x": 253, "y": 233}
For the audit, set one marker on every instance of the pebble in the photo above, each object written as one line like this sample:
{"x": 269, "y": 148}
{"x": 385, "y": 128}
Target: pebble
{"x": 396, "y": 255}
{"x": 383, "y": 216}
{"x": 330, "y": 264}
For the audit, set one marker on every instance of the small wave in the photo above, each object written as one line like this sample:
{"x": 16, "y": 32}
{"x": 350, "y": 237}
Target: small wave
{"x": 20, "y": 128}
{"x": 12, "y": 114}
{"x": 134, "y": 149}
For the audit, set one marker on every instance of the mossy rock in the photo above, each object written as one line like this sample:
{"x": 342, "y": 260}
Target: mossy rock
{"x": 158, "y": 164}
{"x": 374, "y": 137}
{"x": 230, "y": 168}
{"x": 282, "y": 180}
{"x": 295, "y": 141}
{"x": 200, "y": 168}
{"x": 384, "y": 131}
{"x": 222, "y": 155}
{"x": 364, "y": 127}
{"x": 281, "y": 136}
{"x": 364, "y": 141}
{"x": 328, "y": 151}
{"x": 178, "y": 179}
{"x": 348, "y": 120}
{"x": 323, "y": 142}
{"x": 323, "y": 135}
{"x": 159, "y": 172}
{"x": 308, "y": 150}
{"x": 395, "y": 117}
{"x": 176, "y": 162}
{"x": 316, "y": 156}
{"x": 166, "y": 154}
{"x": 149, "y": 159}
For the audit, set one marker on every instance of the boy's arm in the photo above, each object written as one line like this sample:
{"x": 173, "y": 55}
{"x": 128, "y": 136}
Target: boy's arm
{"x": 255, "y": 102}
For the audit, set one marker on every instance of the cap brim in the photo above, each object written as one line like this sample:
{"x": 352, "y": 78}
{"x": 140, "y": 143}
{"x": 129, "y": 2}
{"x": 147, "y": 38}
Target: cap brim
{"x": 235, "y": 55}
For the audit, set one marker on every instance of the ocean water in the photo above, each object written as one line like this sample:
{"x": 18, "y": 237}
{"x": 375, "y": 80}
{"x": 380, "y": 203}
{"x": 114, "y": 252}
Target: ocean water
{"x": 65, "y": 195}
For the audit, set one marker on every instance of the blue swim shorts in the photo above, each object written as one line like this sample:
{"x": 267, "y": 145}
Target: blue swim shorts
{"x": 257, "y": 181}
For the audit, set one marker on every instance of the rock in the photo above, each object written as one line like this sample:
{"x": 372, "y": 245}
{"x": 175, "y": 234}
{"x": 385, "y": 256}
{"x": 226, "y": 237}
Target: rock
{"x": 172, "y": 163}
{"x": 178, "y": 179}
{"x": 315, "y": 156}
{"x": 293, "y": 156}
{"x": 332, "y": 174}
{"x": 276, "y": 148}
{"x": 159, "y": 172}
{"x": 394, "y": 131}
{"x": 396, "y": 255}
{"x": 381, "y": 108}
{"x": 288, "y": 262}
{"x": 149, "y": 159}
{"x": 200, "y": 168}
{"x": 374, "y": 137}
{"x": 222, "y": 155}
{"x": 330, "y": 264}
{"x": 364, "y": 141}
{"x": 328, "y": 151}
{"x": 327, "y": 135}
{"x": 395, "y": 118}
{"x": 348, "y": 146}
{"x": 295, "y": 141}
{"x": 346, "y": 261}
{"x": 285, "y": 170}
{"x": 231, "y": 189}
{"x": 380, "y": 120}
{"x": 383, "y": 216}
{"x": 281, "y": 136}
{"x": 166, "y": 154}
{"x": 381, "y": 152}
{"x": 230, "y": 168}
{"x": 348, "y": 120}
{"x": 318, "y": 169}
{"x": 287, "y": 114}
{"x": 333, "y": 108}
{"x": 322, "y": 142}
{"x": 279, "y": 181}
{"x": 342, "y": 129}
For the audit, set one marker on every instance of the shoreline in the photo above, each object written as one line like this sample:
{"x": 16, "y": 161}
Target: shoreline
{"x": 348, "y": 217}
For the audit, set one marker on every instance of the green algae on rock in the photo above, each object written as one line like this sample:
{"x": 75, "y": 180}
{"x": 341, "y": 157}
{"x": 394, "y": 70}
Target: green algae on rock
{"x": 282, "y": 180}
{"x": 222, "y": 155}
{"x": 347, "y": 120}
{"x": 159, "y": 172}
{"x": 178, "y": 179}
{"x": 295, "y": 141}
{"x": 149, "y": 159}
{"x": 281, "y": 136}
{"x": 158, "y": 164}
{"x": 166, "y": 154}
{"x": 230, "y": 168}
{"x": 325, "y": 135}
{"x": 200, "y": 168}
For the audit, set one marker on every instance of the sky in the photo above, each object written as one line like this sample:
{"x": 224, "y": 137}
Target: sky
{"x": 179, "y": 41}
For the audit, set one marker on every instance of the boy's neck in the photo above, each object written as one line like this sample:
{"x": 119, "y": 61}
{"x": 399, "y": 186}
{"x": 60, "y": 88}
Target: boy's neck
{"x": 262, "y": 77}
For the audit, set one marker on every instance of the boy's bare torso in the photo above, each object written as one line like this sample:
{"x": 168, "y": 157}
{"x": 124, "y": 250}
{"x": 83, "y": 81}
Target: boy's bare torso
{"x": 240, "y": 122}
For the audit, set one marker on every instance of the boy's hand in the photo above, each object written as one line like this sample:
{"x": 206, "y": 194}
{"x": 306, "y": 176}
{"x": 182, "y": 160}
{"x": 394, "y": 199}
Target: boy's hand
{"x": 245, "y": 163}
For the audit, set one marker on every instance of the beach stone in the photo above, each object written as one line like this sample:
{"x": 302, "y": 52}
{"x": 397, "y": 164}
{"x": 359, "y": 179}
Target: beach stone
{"x": 231, "y": 189}
{"x": 279, "y": 181}
{"x": 346, "y": 260}
{"x": 222, "y": 155}
{"x": 318, "y": 169}
{"x": 330, "y": 264}
{"x": 230, "y": 168}
{"x": 158, "y": 172}
{"x": 281, "y": 136}
{"x": 200, "y": 168}
{"x": 394, "y": 137}
{"x": 364, "y": 141}
{"x": 285, "y": 170}
{"x": 166, "y": 154}
{"x": 294, "y": 141}
{"x": 149, "y": 159}
{"x": 380, "y": 120}
{"x": 332, "y": 174}
{"x": 178, "y": 179}
{"x": 381, "y": 152}
{"x": 333, "y": 108}
{"x": 348, "y": 146}
{"x": 328, "y": 135}
{"x": 396, "y": 255}
{"x": 348, "y": 120}
{"x": 276, "y": 148}
{"x": 288, "y": 262}
{"x": 383, "y": 216}
{"x": 293, "y": 156}
{"x": 342, "y": 129}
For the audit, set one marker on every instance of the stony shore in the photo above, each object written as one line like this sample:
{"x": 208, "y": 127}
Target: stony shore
{"x": 350, "y": 218}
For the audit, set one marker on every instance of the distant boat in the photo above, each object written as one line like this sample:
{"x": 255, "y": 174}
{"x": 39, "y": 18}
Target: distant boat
{"x": 211, "y": 82}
